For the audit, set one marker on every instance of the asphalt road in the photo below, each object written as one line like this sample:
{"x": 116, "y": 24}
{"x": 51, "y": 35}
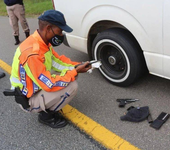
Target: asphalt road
{"x": 96, "y": 99}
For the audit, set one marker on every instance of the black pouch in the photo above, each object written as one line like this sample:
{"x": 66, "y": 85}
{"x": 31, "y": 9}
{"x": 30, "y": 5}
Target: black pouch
{"x": 23, "y": 100}
{"x": 160, "y": 120}
{"x": 19, "y": 97}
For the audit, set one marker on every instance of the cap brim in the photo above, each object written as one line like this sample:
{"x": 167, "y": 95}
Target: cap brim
{"x": 66, "y": 28}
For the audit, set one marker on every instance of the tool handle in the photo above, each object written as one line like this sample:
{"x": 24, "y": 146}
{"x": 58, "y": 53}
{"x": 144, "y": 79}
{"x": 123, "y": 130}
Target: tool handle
{"x": 14, "y": 92}
{"x": 122, "y": 103}
{"x": 19, "y": 97}
{"x": 9, "y": 92}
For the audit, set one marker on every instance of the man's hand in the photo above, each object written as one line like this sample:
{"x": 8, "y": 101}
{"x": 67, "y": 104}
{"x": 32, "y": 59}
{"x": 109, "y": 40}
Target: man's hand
{"x": 83, "y": 67}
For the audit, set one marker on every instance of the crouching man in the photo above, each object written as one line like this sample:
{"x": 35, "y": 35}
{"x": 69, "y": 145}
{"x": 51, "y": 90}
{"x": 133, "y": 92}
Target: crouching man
{"x": 44, "y": 78}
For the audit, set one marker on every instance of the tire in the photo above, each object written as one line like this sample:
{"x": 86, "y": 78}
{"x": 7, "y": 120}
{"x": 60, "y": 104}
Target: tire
{"x": 122, "y": 59}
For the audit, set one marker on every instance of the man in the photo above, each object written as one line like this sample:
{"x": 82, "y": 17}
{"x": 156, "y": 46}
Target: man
{"x": 2, "y": 74}
{"x": 34, "y": 59}
{"x": 16, "y": 11}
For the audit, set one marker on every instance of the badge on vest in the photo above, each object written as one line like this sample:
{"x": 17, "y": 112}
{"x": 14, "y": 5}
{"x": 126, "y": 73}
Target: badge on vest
{"x": 46, "y": 81}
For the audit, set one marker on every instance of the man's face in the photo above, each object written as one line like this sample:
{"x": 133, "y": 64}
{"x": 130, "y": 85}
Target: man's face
{"x": 51, "y": 31}
{"x": 56, "y": 31}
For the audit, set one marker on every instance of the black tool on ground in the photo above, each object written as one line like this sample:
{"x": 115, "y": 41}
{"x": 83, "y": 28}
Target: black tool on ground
{"x": 160, "y": 120}
{"x": 123, "y": 102}
{"x": 19, "y": 97}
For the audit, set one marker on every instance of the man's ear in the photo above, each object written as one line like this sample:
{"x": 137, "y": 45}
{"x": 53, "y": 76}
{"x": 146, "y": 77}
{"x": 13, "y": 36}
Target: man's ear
{"x": 48, "y": 28}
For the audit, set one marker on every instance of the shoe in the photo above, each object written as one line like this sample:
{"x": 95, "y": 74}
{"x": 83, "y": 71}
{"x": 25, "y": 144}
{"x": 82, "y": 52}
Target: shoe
{"x": 2, "y": 74}
{"x": 54, "y": 121}
{"x": 17, "y": 41}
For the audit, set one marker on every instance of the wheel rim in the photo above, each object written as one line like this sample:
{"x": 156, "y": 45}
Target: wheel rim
{"x": 115, "y": 63}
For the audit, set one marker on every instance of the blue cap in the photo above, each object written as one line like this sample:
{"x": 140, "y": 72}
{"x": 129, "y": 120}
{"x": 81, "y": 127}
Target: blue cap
{"x": 56, "y": 18}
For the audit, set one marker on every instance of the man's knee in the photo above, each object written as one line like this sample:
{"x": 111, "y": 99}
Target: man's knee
{"x": 74, "y": 86}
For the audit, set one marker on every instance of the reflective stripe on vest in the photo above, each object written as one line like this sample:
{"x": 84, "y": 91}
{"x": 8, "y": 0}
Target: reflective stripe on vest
{"x": 60, "y": 67}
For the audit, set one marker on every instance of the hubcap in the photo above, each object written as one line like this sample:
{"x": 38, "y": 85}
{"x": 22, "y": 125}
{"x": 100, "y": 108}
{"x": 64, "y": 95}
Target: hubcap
{"x": 112, "y": 60}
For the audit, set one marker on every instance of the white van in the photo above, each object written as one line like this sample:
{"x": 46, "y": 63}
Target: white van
{"x": 129, "y": 36}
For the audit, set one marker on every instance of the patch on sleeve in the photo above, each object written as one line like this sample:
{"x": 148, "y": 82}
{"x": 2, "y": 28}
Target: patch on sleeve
{"x": 36, "y": 88}
{"x": 25, "y": 91}
{"x": 22, "y": 75}
{"x": 46, "y": 81}
{"x": 61, "y": 84}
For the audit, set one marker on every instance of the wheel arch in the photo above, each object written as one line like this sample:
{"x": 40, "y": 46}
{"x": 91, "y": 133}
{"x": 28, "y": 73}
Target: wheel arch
{"x": 95, "y": 22}
{"x": 107, "y": 25}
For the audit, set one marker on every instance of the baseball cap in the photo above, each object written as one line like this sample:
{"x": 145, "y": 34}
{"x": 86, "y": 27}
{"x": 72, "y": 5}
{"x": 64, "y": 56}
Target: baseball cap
{"x": 136, "y": 114}
{"x": 56, "y": 18}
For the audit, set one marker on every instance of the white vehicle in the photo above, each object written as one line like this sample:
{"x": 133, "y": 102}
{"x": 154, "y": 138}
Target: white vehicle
{"x": 129, "y": 36}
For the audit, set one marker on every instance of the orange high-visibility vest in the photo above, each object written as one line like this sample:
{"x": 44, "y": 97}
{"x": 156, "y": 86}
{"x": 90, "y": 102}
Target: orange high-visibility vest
{"x": 32, "y": 64}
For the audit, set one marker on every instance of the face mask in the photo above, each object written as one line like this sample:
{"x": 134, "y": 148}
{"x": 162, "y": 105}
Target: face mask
{"x": 56, "y": 40}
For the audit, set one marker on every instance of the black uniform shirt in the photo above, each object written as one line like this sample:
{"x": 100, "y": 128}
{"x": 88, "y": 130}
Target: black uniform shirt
{"x": 13, "y": 2}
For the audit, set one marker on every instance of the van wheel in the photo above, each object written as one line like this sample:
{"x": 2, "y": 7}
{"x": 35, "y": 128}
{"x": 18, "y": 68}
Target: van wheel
{"x": 122, "y": 59}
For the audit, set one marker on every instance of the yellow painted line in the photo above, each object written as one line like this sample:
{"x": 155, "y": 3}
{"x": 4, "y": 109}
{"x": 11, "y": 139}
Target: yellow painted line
{"x": 99, "y": 133}
{"x": 5, "y": 66}
{"x": 105, "y": 137}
